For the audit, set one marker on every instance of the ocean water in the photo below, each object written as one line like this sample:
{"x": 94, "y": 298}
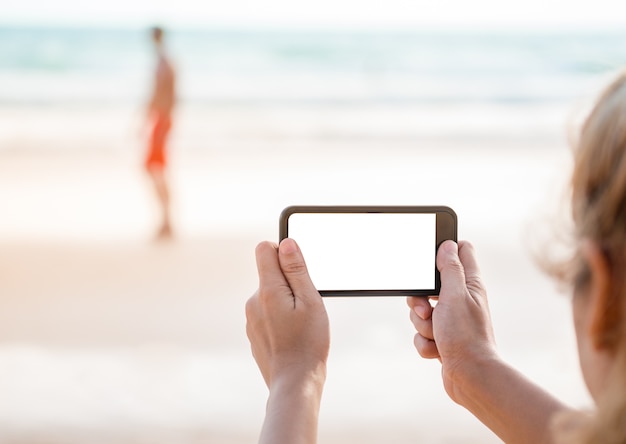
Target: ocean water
{"x": 68, "y": 66}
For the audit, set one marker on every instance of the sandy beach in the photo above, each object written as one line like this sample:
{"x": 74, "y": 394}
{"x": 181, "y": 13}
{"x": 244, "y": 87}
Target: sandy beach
{"x": 108, "y": 337}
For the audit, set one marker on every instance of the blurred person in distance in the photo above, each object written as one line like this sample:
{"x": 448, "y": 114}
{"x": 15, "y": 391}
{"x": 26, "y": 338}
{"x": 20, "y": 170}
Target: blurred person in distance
{"x": 159, "y": 119}
{"x": 288, "y": 326}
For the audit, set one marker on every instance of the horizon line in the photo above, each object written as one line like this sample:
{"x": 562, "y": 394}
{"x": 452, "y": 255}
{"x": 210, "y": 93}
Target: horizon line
{"x": 542, "y": 28}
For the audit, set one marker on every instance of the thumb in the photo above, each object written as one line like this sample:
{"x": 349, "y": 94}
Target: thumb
{"x": 294, "y": 269}
{"x": 451, "y": 270}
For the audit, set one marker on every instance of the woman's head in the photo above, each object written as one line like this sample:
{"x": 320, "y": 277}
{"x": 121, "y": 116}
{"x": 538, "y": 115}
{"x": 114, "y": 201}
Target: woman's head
{"x": 599, "y": 178}
{"x": 599, "y": 208}
{"x": 598, "y": 272}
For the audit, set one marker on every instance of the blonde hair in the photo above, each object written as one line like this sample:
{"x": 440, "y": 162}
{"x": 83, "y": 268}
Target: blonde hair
{"x": 598, "y": 198}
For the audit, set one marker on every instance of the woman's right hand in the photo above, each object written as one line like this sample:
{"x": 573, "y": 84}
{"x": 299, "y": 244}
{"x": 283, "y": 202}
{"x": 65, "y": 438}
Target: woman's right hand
{"x": 457, "y": 330}
{"x": 288, "y": 330}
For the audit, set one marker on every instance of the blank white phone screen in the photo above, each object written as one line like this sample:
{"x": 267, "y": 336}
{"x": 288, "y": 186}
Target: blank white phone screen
{"x": 367, "y": 251}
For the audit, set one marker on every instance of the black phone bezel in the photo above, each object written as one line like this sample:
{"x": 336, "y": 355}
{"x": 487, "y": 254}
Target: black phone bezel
{"x": 446, "y": 229}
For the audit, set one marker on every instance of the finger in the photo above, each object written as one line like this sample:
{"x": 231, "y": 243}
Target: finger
{"x": 421, "y": 306}
{"x": 426, "y": 348}
{"x": 253, "y": 316}
{"x": 294, "y": 269}
{"x": 251, "y": 307}
{"x": 257, "y": 335}
{"x": 467, "y": 256}
{"x": 451, "y": 271}
{"x": 423, "y": 326}
{"x": 268, "y": 267}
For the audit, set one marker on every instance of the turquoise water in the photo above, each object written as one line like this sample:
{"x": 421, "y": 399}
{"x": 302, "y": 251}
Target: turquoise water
{"x": 40, "y": 65}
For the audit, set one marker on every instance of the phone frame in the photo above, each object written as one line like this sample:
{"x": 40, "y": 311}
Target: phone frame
{"x": 446, "y": 228}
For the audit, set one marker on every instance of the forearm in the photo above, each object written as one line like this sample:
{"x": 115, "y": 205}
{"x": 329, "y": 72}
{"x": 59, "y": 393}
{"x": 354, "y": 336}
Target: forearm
{"x": 293, "y": 410}
{"x": 513, "y": 407}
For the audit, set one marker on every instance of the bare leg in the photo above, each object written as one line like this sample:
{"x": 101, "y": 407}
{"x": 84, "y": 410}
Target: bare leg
{"x": 161, "y": 187}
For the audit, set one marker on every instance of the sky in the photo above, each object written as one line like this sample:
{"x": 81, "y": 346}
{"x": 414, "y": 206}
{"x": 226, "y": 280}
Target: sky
{"x": 547, "y": 14}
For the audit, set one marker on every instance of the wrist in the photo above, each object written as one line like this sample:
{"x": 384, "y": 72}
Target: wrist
{"x": 463, "y": 378}
{"x": 514, "y": 408}
{"x": 293, "y": 406}
{"x": 299, "y": 378}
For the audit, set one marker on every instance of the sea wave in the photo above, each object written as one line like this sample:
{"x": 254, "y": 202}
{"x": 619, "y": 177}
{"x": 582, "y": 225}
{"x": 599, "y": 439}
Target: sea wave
{"x": 46, "y": 65}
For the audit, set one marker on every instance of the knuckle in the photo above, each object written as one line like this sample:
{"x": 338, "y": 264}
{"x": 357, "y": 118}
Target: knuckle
{"x": 269, "y": 295}
{"x": 426, "y": 332}
{"x": 295, "y": 268}
{"x": 249, "y": 332}
{"x": 454, "y": 264}
{"x": 251, "y": 305}
{"x": 426, "y": 347}
{"x": 263, "y": 294}
{"x": 474, "y": 283}
{"x": 429, "y": 352}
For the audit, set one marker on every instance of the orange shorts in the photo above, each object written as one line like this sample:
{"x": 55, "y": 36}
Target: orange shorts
{"x": 156, "y": 157}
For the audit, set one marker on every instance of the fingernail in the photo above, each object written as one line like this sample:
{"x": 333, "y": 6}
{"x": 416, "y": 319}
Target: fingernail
{"x": 288, "y": 246}
{"x": 420, "y": 311}
{"x": 450, "y": 246}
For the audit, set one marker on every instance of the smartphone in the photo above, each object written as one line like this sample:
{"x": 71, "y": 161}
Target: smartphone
{"x": 371, "y": 250}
